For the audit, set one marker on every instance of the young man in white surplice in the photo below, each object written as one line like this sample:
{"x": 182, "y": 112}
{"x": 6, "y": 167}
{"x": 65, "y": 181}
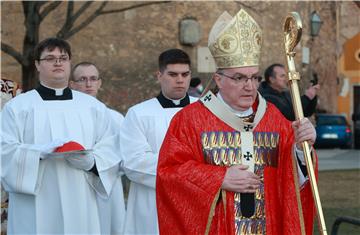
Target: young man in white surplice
{"x": 141, "y": 136}
{"x": 55, "y": 193}
{"x": 85, "y": 77}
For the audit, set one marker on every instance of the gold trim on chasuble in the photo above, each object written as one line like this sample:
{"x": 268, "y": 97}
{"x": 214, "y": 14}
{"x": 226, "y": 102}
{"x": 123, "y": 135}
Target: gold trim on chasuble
{"x": 241, "y": 146}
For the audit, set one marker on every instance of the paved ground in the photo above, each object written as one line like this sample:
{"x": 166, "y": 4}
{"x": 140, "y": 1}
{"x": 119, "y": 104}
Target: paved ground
{"x": 338, "y": 159}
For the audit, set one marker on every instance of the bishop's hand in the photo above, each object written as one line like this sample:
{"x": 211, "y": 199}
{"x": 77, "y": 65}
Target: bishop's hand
{"x": 303, "y": 131}
{"x": 238, "y": 179}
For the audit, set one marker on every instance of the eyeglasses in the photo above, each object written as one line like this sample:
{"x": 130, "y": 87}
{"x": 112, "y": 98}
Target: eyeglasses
{"x": 87, "y": 79}
{"x": 53, "y": 59}
{"x": 241, "y": 79}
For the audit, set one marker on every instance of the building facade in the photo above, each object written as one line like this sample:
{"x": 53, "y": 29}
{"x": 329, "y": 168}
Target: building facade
{"x": 126, "y": 45}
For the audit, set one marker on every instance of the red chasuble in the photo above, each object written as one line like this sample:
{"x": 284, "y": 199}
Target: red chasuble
{"x": 190, "y": 173}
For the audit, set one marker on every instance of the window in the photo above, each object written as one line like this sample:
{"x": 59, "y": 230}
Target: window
{"x": 331, "y": 121}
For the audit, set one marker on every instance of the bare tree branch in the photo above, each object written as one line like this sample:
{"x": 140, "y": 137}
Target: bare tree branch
{"x": 71, "y": 18}
{"x": 68, "y": 30}
{"x": 52, "y": 6}
{"x": 251, "y": 7}
{"x": 132, "y": 7}
{"x": 87, "y": 21}
{"x": 69, "y": 12}
{"x": 81, "y": 10}
{"x": 68, "y": 21}
{"x": 12, "y": 52}
{"x": 36, "y": 11}
{"x": 40, "y": 3}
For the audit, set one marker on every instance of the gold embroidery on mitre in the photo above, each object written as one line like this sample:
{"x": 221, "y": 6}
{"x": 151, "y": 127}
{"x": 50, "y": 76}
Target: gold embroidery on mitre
{"x": 235, "y": 42}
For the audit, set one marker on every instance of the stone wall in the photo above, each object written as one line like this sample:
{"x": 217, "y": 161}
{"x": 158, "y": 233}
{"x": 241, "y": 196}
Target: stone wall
{"x": 126, "y": 45}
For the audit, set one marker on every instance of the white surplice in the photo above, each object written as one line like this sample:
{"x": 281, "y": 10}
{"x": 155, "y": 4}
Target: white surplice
{"x": 49, "y": 196}
{"x": 112, "y": 209}
{"x": 141, "y": 136}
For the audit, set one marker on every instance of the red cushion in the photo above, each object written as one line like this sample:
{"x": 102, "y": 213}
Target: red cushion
{"x": 69, "y": 146}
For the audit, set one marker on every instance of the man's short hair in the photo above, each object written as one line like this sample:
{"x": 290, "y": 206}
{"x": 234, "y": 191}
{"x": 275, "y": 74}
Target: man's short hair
{"x": 84, "y": 63}
{"x": 173, "y": 56}
{"x": 269, "y": 72}
{"x": 51, "y": 44}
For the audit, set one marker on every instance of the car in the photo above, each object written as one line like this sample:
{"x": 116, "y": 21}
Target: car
{"x": 332, "y": 130}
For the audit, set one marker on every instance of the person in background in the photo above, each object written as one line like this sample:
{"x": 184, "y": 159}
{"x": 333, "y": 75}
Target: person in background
{"x": 196, "y": 88}
{"x": 85, "y": 78}
{"x": 275, "y": 90}
{"x": 9, "y": 89}
{"x": 141, "y": 136}
{"x": 58, "y": 151}
{"x": 231, "y": 163}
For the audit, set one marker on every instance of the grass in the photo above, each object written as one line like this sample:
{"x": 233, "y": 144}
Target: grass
{"x": 340, "y": 196}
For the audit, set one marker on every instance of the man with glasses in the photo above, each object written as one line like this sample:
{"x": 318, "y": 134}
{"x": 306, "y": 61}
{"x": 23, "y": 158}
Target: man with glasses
{"x": 58, "y": 151}
{"x": 85, "y": 78}
{"x": 229, "y": 163}
{"x": 141, "y": 136}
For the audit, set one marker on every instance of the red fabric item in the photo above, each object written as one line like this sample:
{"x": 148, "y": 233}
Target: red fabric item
{"x": 69, "y": 146}
{"x": 186, "y": 185}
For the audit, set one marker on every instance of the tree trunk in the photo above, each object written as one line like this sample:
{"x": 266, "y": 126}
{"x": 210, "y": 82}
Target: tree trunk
{"x": 29, "y": 77}
{"x": 31, "y": 39}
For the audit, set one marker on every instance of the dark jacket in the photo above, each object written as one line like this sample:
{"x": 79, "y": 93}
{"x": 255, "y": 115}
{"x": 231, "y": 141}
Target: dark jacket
{"x": 282, "y": 100}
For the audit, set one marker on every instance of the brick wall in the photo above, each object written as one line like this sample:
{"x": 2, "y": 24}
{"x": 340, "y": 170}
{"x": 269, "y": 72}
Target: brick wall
{"x": 126, "y": 45}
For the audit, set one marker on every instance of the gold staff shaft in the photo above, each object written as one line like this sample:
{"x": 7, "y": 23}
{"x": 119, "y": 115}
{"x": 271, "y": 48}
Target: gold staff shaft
{"x": 292, "y": 35}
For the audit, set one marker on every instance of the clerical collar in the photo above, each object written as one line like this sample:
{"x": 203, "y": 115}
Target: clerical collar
{"x": 241, "y": 114}
{"x": 169, "y": 103}
{"x": 48, "y": 93}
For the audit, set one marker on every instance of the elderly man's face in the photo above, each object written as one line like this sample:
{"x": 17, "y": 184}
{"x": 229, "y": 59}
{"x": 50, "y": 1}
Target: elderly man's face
{"x": 238, "y": 86}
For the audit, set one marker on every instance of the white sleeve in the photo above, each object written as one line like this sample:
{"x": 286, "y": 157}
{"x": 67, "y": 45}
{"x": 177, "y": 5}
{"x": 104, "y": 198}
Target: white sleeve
{"x": 299, "y": 155}
{"x": 19, "y": 162}
{"x": 140, "y": 161}
{"x": 117, "y": 120}
{"x": 107, "y": 154}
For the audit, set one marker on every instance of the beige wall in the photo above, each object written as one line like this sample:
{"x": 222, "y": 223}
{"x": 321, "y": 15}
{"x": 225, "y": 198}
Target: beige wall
{"x": 126, "y": 45}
